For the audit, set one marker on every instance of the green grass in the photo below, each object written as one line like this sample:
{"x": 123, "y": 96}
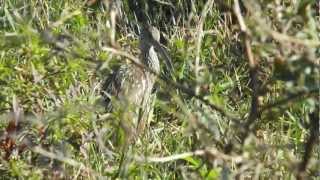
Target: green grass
{"x": 68, "y": 135}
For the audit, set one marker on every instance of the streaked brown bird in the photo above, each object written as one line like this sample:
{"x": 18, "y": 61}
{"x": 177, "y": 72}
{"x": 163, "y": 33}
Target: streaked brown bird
{"x": 130, "y": 86}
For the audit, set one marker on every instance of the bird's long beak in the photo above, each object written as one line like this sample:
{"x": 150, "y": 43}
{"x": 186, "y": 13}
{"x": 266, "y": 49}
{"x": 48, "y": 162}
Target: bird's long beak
{"x": 165, "y": 55}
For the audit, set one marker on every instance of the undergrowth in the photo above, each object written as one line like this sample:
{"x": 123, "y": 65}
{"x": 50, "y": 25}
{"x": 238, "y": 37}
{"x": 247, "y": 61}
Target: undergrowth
{"x": 54, "y": 56}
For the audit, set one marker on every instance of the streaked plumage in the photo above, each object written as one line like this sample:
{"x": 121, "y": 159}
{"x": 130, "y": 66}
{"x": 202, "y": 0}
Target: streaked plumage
{"x": 132, "y": 85}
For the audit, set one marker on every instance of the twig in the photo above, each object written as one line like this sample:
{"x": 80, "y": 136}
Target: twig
{"x": 165, "y": 3}
{"x": 210, "y": 151}
{"x": 313, "y": 138}
{"x": 66, "y": 160}
{"x": 280, "y": 37}
{"x": 253, "y": 65}
{"x": 291, "y": 98}
{"x": 285, "y": 38}
{"x": 72, "y": 162}
{"x": 200, "y": 35}
{"x": 65, "y": 16}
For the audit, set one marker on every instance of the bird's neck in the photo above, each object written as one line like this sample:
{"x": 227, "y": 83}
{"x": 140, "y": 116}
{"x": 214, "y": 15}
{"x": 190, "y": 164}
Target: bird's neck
{"x": 150, "y": 59}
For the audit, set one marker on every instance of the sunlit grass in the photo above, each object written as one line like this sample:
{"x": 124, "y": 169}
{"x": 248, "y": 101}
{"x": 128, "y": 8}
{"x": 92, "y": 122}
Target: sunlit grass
{"x": 58, "y": 91}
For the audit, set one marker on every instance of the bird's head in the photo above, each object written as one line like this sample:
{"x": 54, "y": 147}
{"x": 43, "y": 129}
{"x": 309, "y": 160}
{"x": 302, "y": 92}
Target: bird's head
{"x": 150, "y": 36}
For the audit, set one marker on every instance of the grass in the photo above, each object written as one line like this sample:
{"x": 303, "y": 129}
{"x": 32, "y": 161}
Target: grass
{"x": 52, "y": 64}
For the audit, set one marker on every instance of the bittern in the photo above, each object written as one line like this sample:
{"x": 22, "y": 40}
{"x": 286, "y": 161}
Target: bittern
{"x": 132, "y": 85}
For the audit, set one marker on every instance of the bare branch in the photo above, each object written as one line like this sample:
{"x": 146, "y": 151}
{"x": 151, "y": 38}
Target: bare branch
{"x": 312, "y": 140}
{"x": 289, "y": 99}
{"x": 72, "y": 162}
{"x": 253, "y": 65}
{"x": 209, "y": 151}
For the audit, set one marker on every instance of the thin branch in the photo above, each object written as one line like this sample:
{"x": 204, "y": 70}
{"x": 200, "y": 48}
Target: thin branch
{"x": 277, "y": 36}
{"x": 253, "y": 65}
{"x": 200, "y": 34}
{"x": 312, "y": 140}
{"x": 64, "y": 17}
{"x": 285, "y": 38}
{"x": 72, "y": 162}
{"x": 243, "y": 27}
{"x": 210, "y": 151}
{"x": 289, "y": 99}
{"x": 66, "y": 160}
{"x": 165, "y": 3}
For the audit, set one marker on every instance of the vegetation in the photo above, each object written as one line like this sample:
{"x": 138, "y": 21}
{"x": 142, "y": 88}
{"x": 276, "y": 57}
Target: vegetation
{"x": 244, "y": 102}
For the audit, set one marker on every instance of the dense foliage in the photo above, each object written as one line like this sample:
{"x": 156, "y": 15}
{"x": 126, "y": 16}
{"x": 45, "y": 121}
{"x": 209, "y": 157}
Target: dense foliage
{"x": 244, "y": 102}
